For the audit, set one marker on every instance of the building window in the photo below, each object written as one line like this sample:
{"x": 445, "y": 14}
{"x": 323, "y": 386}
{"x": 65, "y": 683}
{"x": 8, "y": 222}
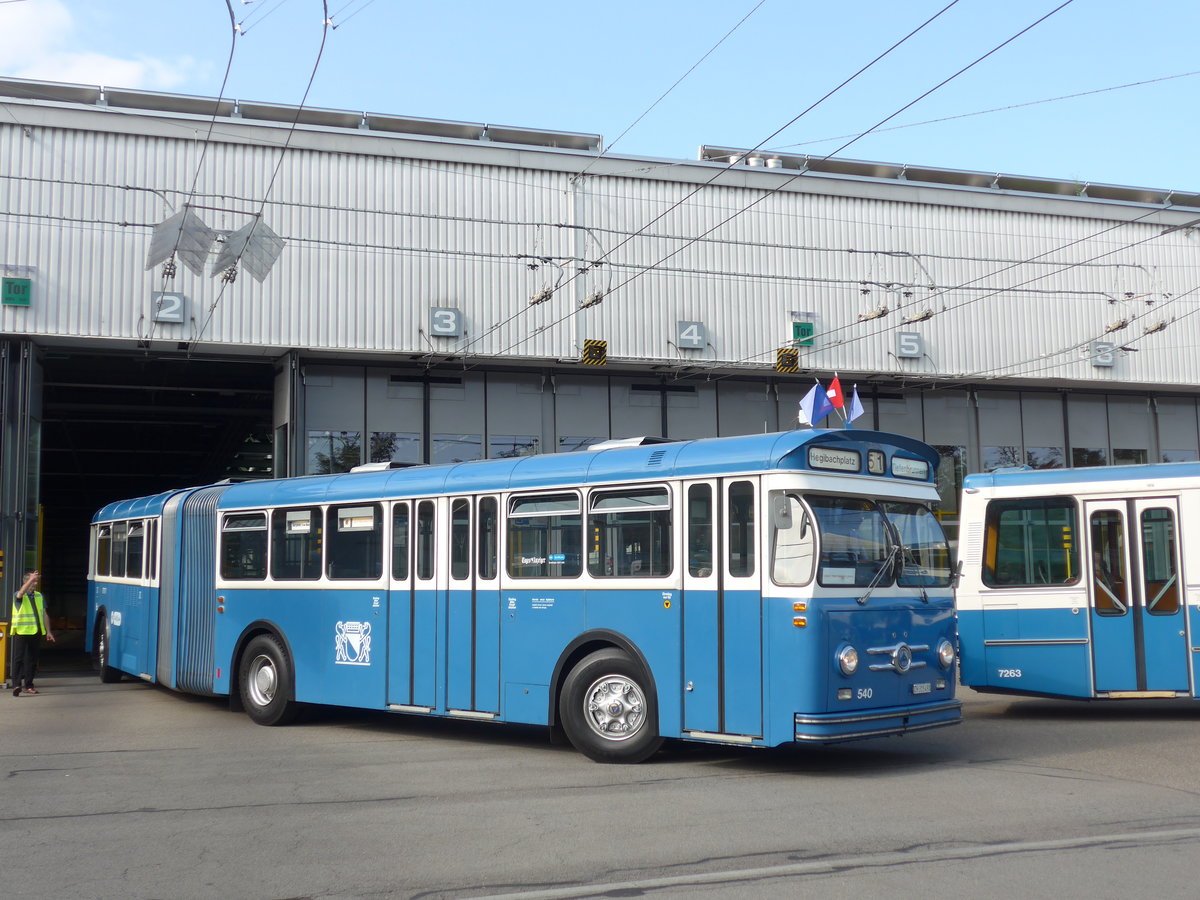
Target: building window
{"x": 395, "y": 446}
{"x": 1082, "y": 457}
{"x": 455, "y": 448}
{"x": 1131, "y": 457}
{"x": 507, "y": 446}
{"x": 330, "y": 452}
{"x": 1045, "y": 457}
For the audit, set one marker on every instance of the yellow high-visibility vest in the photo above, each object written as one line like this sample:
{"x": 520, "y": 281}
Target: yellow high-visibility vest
{"x": 27, "y": 617}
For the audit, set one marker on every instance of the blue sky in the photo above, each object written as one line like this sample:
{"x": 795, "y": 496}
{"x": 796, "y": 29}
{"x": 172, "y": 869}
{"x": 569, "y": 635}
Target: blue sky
{"x": 597, "y": 67}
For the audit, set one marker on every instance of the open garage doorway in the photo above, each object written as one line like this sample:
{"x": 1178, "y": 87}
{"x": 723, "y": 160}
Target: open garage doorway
{"x": 115, "y": 427}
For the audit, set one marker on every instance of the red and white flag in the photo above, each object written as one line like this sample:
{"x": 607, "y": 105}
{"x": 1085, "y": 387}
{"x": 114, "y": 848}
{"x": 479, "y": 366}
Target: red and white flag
{"x": 835, "y": 393}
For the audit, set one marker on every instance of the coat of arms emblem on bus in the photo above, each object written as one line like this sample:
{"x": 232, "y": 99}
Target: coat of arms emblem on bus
{"x": 353, "y": 643}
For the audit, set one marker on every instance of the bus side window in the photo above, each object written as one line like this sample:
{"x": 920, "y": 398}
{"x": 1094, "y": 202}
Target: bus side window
{"x": 741, "y": 528}
{"x": 460, "y": 539}
{"x": 1109, "y": 584}
{"x": 700, "y": 530}
{"x": 152, "y": 550}
{"x": 630, "y": 533}
{"x": 1031, "y": 542}
{"x": 135, "y": 549}
{"x": 120, "y": 539}
{"x": 296, "y": 544}
{"x": 400, "y": 541}
{"x": 1158, "y": 562}
{"x": 244, "y": 546}
{"x": 793, "y": 540}
{"x": 488, "y": 538}
{"x": 425, "y": 539}
{"x": 545, "y": 536}
{"x": 103, "y": 550}
{"x": 355, "y": 548}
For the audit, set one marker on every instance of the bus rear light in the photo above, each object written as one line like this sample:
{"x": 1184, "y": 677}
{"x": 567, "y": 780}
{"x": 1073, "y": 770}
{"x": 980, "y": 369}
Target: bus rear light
{"x": 799, "y": 621}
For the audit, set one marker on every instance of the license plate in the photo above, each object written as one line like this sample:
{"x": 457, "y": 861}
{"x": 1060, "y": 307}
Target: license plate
{"x": 922, "y": 688}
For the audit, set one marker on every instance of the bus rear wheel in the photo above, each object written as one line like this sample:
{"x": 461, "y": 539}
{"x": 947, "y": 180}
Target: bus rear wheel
{"x": 607, "y": 710}
{"x": 108, "y": 675}
{"x": 265, "y": 682}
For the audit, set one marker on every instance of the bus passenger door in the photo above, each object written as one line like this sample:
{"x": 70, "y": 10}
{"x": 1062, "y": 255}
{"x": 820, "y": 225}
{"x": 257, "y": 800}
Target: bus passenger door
{"x": 413, "y": 607}
{"x": 1139, "y": 640}
{"x": 722, "y": 609}
{"x": 473, "y": 608}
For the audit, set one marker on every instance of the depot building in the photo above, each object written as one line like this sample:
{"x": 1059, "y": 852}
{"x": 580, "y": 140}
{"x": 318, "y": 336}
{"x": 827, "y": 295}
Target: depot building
{"x": 198, "y": 288}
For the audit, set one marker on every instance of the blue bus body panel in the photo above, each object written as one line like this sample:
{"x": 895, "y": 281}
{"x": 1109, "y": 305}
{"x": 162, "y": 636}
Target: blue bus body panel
{"x": 701, "y": 662}
{"x": 742, "y": 628}
{"x": 650, "y": 620}
{"x": 1011, "y": 649}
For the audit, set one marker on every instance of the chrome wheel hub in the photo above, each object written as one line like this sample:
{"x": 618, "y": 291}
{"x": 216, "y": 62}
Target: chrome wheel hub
{"x": 614, "y": 708}
{"x": 263, "y": 681}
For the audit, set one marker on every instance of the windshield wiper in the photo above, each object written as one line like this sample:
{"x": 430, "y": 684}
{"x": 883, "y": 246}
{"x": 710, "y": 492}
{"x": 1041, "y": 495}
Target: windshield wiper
{"x": 887, "y": 566}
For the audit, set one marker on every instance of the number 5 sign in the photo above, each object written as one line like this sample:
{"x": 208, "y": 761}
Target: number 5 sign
{"x": 909, "y": 345}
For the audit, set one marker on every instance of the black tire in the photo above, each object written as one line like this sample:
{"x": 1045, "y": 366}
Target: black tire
{"x": 608, "y": 709}
{"x": 265, "y": 682}
{"x": 108, "y": 675}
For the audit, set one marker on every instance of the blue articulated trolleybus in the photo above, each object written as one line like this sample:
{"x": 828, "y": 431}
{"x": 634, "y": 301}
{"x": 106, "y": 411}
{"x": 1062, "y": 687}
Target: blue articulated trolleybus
{"x": 1081, "y": 582}
{"x": 750, "y": 590}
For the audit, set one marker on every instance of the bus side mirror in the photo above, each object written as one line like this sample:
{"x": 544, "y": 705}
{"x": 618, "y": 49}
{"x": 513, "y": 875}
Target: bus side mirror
{"x": 781, "y": 515}
{"x": 781, "y": 512}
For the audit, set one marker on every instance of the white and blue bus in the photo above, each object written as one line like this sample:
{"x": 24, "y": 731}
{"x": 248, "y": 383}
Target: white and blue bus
{"x": 750, "y": 591}
{"x": 1081, "y": 582}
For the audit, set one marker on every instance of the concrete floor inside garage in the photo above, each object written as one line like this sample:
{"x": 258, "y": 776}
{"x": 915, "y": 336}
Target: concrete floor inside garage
{"x": 120, "y": 426}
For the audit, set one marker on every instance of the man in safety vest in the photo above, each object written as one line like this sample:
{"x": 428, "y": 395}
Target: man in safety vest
{"x": 26, "y": 628}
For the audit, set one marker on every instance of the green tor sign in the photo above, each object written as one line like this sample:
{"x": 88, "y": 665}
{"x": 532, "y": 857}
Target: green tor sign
{"x": 802, "y": 333}
{"x": 17, "y": 291}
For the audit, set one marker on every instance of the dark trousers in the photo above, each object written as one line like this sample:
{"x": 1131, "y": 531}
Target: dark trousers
{"x": 24, "y": 649}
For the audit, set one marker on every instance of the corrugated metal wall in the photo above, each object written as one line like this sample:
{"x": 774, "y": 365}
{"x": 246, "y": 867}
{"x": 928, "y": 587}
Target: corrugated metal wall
{"x": 378, "y": 231}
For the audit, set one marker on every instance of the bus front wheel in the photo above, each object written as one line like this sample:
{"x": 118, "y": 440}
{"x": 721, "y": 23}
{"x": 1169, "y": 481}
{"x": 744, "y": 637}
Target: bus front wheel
{"x": 265, "y": 680}
{"x": 108, "y": 675}
{"x": 607, "y": 710}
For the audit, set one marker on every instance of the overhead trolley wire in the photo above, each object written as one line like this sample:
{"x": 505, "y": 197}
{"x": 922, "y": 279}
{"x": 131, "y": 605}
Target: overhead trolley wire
{"x": 984, "y": 112}
{"x": 225, "y": 282}
{"x": 714, "y": 177}
{"x": 664, "y": 94}
{"x": 168, "y": 269}
{"x": 793, "y": 178}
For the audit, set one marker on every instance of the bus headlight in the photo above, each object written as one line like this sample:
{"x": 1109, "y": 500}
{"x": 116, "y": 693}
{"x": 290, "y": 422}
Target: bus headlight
{"x": 945, "y": 653}
{"x": 847, "y": 659}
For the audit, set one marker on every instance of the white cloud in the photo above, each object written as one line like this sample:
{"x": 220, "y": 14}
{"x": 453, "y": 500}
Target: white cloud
{"x": 40, "y": 42}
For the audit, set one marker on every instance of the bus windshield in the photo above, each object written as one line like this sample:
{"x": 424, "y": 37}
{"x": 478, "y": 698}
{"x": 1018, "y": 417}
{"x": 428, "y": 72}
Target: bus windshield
{"x": 925, "y": 553}
{"x": 855, "y": 546}
{"x": 860, "y": 541}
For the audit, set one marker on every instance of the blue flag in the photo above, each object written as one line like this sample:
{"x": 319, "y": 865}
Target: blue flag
{"x": 855, "y": 408}
{"x": 815, "y": 406}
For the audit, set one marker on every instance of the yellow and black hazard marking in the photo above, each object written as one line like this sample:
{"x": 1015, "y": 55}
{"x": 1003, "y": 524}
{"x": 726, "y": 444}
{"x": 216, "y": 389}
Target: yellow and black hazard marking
{"x": 595, "y": 353}
{"x": 787, "y": 360}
